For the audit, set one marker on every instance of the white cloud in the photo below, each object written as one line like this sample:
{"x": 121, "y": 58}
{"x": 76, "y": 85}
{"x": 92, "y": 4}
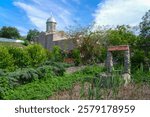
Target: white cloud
{"x": 39, "y": 13}
{"x": 119, "y": 12}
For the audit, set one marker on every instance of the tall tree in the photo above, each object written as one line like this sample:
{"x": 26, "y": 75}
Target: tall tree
{"x": 9, "y": 32}
{"x": 144, "y": 41}
{"x": 121, "y": 35}
{"x": 145, "y": 25}
{"x": 32, "y": 34}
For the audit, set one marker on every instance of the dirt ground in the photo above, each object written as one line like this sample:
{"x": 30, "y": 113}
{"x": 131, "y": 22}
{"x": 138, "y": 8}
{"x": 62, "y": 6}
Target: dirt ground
{"x": 130, "y": 92}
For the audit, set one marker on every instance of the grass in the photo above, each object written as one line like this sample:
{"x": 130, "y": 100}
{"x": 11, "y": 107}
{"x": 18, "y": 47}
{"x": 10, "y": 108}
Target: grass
{"x": 8, "y": 44}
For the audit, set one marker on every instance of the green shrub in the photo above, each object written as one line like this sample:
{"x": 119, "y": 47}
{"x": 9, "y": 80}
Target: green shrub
{"x": 137, "y": 58}
{"x": 4, "y": 86}
{"x": 44, "y": 71}
{"x": 2, "y": 72}
{"x": 140, "y": 76}
{"x": 49, "y": 54}
{"x": 6, "y": 59}
{"x": 36, "y": 54}
{"x": 20, "y": 56}
{"x": 76, "y": 56}
{"x": 57, "y": 54}
{"x": 28, "y": 75}
{"x": 26, "y": 42}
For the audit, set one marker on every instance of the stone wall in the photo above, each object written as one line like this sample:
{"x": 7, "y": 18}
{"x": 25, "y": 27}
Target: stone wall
{"x": 54, "y": 39}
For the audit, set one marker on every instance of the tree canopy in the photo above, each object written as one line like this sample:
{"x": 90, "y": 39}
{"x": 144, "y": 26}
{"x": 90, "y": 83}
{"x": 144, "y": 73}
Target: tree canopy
{"x": 32, "y": 34}
{"x": 145, "y": 25}
{"x": 9, "y": 32}
{"x": 121, "y": 35}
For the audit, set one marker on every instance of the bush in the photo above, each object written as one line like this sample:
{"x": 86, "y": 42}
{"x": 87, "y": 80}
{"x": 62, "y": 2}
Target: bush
{"x": 49, "y": 54}
{"x": 42, "y": 89}
{"x": 20, "y": 56}
{"x": 4, "y": 86}
{"x": 24, "y": 76}
{"x": 57, "y": 67}
{"x": 2, "y": 72}
{"x": 137, "y": 58}
{"x": 76, "y": 56}
{"x": 57, "y": 54}
{"x": 36, "y": 54}
{"x": 140, "y": 76}
{"x": 90, "y": 49}
{"x": 6, "y": 59}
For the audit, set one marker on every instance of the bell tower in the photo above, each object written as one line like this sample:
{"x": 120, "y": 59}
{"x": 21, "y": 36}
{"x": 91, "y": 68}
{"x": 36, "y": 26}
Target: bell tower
{"x": 51, "y": 24}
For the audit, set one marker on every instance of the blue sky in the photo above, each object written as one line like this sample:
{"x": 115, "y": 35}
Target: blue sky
{"x": 30, "y": 14}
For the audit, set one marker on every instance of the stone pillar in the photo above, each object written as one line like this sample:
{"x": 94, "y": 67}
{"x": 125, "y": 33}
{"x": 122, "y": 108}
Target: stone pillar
{"x": 127, "y": 62}
{"x": 109, "y": 63}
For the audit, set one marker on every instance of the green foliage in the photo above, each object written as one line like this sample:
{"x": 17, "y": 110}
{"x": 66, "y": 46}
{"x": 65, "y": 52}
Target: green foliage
{"x": 121, "y": 36}
{"x": 9, "y": 32}
{"x": 49, "y": 54}
{"x": 32, "y": 34}
{"x": 36, "y": 54}
{"x": 137, "y": 58}
{"x": 6, "y": 59}
{"x": 145, "y": 25}
{"x": 26, "y": 43}
{"x": 89, "y": 43}
{"x": 76, "y": 56}
{"x": 109, "y": 82}
{"x": 4, "y": 86}
{"x": 91, "y": 70}
{"x": 90, "y": 48}
{"x": 57, "y": 64}
{"x": 2, "y": 72}
{"x": 141, "y": 77}
{"x": 57, "y": 54}
{"x": 28, "y": 75}
{"x": 20, "y": 56}
{"x": 42, "y": 89}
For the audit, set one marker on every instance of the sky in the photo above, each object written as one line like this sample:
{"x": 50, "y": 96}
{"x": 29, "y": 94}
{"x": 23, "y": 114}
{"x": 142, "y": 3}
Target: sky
{"x": 32, "y": 14}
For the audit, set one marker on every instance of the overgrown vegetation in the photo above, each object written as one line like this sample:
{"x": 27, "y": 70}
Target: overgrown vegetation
{"x": 45, "y": 87}
{"x": 32, "y": 72}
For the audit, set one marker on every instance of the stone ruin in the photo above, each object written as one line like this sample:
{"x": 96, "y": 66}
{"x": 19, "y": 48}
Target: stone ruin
{"x": 109, "y": 62}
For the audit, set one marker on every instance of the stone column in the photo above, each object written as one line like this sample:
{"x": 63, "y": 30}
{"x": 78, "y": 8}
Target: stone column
{"x": 109, "y": 63}
{"x": 127, "y": 61}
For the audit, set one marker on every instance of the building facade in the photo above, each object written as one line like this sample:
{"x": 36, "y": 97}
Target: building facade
{"x": 52, "y": 37}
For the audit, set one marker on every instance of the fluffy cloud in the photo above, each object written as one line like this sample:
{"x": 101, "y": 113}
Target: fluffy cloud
{"x": 38, "y": 12}
{"x": 119, "y": 12}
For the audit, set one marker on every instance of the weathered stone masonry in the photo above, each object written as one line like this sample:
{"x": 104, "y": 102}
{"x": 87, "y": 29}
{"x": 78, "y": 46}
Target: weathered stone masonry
{"x": 109, "y": 62}
{"x": 52, "y": 37}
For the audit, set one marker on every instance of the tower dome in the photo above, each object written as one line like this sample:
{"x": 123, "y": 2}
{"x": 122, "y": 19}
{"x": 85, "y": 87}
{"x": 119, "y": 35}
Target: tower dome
{"x": 51, "y": 24}
{"x": 51, "y": 19}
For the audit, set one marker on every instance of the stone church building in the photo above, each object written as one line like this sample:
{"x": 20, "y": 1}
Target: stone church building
{"x": 52, "y": 37}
